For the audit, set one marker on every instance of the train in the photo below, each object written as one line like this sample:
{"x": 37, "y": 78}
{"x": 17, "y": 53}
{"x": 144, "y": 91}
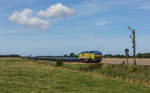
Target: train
{"x": 90, "y": 56}
{"x": 85, "y": 56}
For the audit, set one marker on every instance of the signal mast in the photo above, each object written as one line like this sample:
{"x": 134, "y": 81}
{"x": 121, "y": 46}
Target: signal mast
{"x": 134, "y": 43}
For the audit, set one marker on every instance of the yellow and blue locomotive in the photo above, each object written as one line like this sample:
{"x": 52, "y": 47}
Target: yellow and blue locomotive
{"x": 90, "y": 56}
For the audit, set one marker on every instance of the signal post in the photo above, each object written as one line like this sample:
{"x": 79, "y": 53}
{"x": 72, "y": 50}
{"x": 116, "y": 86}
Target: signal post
{"x": 134, "y": 43}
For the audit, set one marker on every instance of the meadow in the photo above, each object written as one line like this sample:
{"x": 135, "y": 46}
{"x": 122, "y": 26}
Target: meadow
{"x": 28, "y": 76}
{"x": 136, "y": 74}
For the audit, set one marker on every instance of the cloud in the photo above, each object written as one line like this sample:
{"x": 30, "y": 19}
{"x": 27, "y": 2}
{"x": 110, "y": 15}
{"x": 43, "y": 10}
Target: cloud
{"x": 57, "y": 10}
{"x": 26, "y": 19}
{"x": 102, "y": 23}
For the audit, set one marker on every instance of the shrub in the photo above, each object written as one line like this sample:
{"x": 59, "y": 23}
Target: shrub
{"x": 95, "y": 66}
{"x": 59, "y": 62}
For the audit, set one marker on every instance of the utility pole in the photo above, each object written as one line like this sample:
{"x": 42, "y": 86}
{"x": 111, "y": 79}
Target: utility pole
{"x": 134, "y": 43}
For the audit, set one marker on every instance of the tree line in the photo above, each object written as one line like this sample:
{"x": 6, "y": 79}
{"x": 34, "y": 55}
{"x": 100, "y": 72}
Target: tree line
{"x": 139, "y": 55}
{"x": 13, "y": 55}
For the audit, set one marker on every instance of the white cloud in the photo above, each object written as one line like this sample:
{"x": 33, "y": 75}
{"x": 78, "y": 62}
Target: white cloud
{"x": 102, "y": 23}
{"x": 26, "y": 19}
{"x": 57, "y": 10}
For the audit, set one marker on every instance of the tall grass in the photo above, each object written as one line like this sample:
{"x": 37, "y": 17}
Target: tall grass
{"x": 30, "y": 77}
{"x": 130, "y": 73}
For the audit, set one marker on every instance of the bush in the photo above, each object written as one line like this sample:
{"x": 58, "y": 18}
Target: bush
{"x": 95, "y": 66}
{"x": 59, "y": 62}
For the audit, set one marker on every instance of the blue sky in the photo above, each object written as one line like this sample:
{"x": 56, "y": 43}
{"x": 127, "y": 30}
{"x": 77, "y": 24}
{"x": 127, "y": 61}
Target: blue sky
{"x": 86, "y": 25}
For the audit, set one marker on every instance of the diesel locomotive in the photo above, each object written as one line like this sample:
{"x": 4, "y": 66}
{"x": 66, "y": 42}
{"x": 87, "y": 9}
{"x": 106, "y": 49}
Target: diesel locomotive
{"x": 90, "y": 56}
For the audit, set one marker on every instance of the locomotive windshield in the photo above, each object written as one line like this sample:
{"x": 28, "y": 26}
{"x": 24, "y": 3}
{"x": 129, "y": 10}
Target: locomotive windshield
{"x": 97, "y": 53}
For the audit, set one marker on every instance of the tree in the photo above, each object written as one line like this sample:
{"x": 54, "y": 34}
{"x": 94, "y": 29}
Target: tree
{"x": 65, "y": 55}
{"x": 139, "y": 55}
{"x": 108, "y": 56}
{"x": 72, "y": 54}
{"x": 146, "y": 55}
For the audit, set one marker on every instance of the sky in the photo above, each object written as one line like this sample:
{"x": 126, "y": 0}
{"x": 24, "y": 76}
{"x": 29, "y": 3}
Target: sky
{"x": 58, "y": 27}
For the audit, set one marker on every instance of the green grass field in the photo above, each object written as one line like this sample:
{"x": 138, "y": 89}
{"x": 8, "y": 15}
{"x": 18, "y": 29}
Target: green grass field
{"x": 25, "y": 77}
{"x": 129, "y": 73}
